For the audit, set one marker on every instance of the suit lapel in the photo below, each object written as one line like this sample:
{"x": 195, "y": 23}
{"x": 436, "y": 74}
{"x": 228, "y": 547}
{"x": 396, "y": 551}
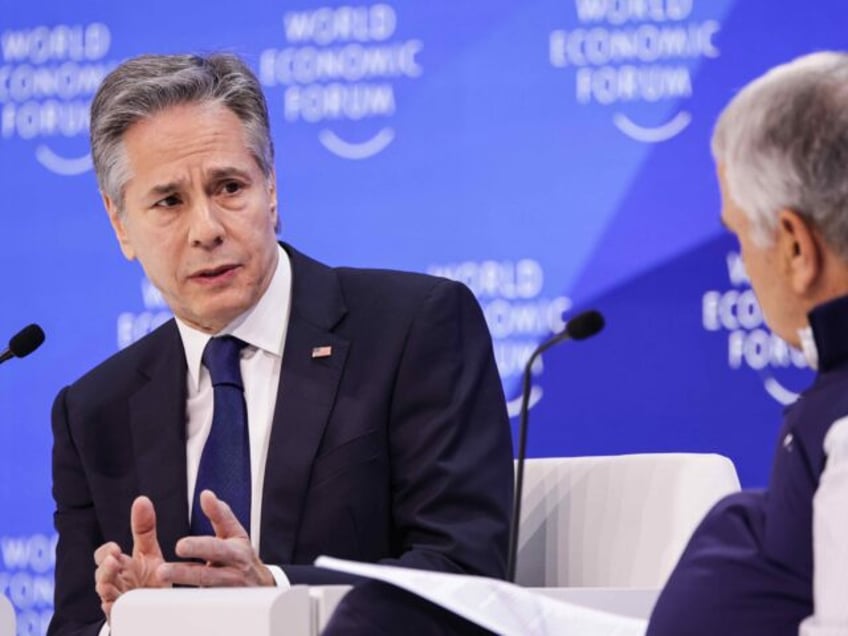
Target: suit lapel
{"x": 158, "y": 425}
{"x": 305, "y": 398}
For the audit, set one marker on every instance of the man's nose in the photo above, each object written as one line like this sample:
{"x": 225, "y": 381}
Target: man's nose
{"x": 205, "y": 227}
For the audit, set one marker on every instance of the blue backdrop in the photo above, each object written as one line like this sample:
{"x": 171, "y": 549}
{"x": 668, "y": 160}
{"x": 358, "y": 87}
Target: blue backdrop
{"x": 552, "y": 154}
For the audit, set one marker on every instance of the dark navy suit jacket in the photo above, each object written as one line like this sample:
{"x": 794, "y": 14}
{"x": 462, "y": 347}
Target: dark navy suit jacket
{"x": 748, "y": 568}
{"x": 396, "y": 448}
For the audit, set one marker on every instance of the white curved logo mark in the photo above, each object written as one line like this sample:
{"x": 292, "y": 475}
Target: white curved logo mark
{"x": 779, "y": 392}
{"x": 652, "y": 135}
{"x": 60, "y": 165}
{"x": 346, "y": 150}
{"x": 513, "y": 407}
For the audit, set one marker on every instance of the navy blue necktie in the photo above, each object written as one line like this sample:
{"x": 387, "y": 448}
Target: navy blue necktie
{"x": 225, "y": 463}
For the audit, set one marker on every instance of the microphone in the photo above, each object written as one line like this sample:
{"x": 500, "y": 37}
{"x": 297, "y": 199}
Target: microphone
{"x": 582, "y": 326}
{"x": 23, "y": 343}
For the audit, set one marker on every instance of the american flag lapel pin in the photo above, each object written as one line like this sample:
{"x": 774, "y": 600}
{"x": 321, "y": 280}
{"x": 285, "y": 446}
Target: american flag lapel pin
{"x": 322, "y": 352}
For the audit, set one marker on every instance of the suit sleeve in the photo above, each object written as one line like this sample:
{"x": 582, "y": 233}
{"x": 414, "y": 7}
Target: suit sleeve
{"x": 77, "y": 606}
{"x": 450, "y": 441}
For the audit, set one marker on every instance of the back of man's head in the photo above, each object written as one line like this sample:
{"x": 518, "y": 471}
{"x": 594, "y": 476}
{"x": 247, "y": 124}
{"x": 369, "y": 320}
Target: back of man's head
{"x": 783, "y": 144}
{"x": 148, "y": 84}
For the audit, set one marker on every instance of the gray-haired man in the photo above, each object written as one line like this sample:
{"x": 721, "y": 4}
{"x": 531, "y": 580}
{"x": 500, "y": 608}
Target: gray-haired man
{"x": 781, "y": 147}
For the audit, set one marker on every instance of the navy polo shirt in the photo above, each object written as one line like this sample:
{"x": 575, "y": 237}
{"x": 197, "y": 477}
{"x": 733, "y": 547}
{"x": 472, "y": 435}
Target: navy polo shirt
{"x": 748, "y": 568}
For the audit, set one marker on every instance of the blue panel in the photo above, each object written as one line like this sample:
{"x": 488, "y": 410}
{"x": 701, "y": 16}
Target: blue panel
{"x": 553, "y": 154}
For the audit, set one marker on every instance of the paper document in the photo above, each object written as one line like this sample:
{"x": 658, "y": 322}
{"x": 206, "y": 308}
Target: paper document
{"x": 498, "y": 606}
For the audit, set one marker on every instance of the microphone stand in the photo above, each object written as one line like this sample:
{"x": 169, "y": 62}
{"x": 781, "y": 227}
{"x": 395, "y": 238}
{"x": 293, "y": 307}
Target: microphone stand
{"x": 522, "y": 448}
{"x": 582, "y": 326}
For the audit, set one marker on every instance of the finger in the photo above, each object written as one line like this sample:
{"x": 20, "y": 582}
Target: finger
{"x": 105, "y": 550}
{"x": 107, "y": 611}
{"x": 107, "y": 592}
{"x": 225, "y": 524}
{"x": 128, "y": 578}
{"x": 200, "y": 575}
{"x": 117, "y": 572}
{"x": 214, "y": 550}
{"x": 143, "y": 525}
{"x": 106, "y": 579}
{"x": 107, "y": 571}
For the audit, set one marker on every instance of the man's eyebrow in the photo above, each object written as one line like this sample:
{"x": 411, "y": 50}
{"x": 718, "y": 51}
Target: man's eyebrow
{"x": 216, "y": 174}
{"x": 164, "y": 188}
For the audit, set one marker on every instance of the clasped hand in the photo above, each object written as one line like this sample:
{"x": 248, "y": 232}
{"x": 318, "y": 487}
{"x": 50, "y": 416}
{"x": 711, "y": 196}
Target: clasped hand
{"x": 226, "y": 560}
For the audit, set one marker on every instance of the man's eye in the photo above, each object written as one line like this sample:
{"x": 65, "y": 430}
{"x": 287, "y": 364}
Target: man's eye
{"x": 168, "y": 202}
{"x": 231, "y": 187}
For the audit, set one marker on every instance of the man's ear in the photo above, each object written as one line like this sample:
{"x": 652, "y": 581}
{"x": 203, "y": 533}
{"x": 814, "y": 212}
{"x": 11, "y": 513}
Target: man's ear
{"x": 119, "y": 226}
{"x": 800, "y": 251}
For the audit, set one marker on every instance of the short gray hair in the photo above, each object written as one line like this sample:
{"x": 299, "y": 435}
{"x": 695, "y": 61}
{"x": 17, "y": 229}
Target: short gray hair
{"x": 783, "y": 142}
{"x": 146, "y": 85}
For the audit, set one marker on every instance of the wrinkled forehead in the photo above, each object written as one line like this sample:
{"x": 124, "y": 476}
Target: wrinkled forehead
{"x": 197, "y": 138}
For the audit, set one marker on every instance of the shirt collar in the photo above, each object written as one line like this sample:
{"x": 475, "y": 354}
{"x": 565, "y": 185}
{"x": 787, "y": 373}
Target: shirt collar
{"x": 263, "y": 326}
{"x": 829, "y": 322}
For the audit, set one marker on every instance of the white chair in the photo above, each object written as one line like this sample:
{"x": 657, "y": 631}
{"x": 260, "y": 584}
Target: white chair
{"x": 7, "y": 616}
{"x": 214, "y": 611}
{"x": 616, "y": 521}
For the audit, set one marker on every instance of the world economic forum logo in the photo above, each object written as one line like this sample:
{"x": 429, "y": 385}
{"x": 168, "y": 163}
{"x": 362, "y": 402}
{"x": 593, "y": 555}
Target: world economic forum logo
{"x": 47, "y": 79}
{"x": 342, "y": 65}
{"x": 625, "y": 56}
{"x": 750, "y": 344}
{"x": 519, "y": 315}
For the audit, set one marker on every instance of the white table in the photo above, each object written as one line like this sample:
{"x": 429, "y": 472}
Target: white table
{"x": 299, "y": 611}
{"x": 214, "y": 612}
{"x": 632, "y": 602}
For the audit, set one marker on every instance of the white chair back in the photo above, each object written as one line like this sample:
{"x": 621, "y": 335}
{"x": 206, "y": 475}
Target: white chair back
{"x": 616, "y": 521}
{"x": 7, "y": 617}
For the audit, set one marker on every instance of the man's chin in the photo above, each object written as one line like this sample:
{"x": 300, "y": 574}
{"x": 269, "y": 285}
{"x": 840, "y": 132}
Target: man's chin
{"x": 213, "y": 319}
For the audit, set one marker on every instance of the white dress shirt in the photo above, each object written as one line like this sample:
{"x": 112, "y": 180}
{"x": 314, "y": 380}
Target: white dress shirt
{"x": 264, "y": 329}
{"x": 830, "y": 539}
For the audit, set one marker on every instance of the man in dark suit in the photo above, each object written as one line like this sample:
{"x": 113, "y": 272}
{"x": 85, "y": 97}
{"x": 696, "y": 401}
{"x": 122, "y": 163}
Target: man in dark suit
{"x": 371, "y": 420}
